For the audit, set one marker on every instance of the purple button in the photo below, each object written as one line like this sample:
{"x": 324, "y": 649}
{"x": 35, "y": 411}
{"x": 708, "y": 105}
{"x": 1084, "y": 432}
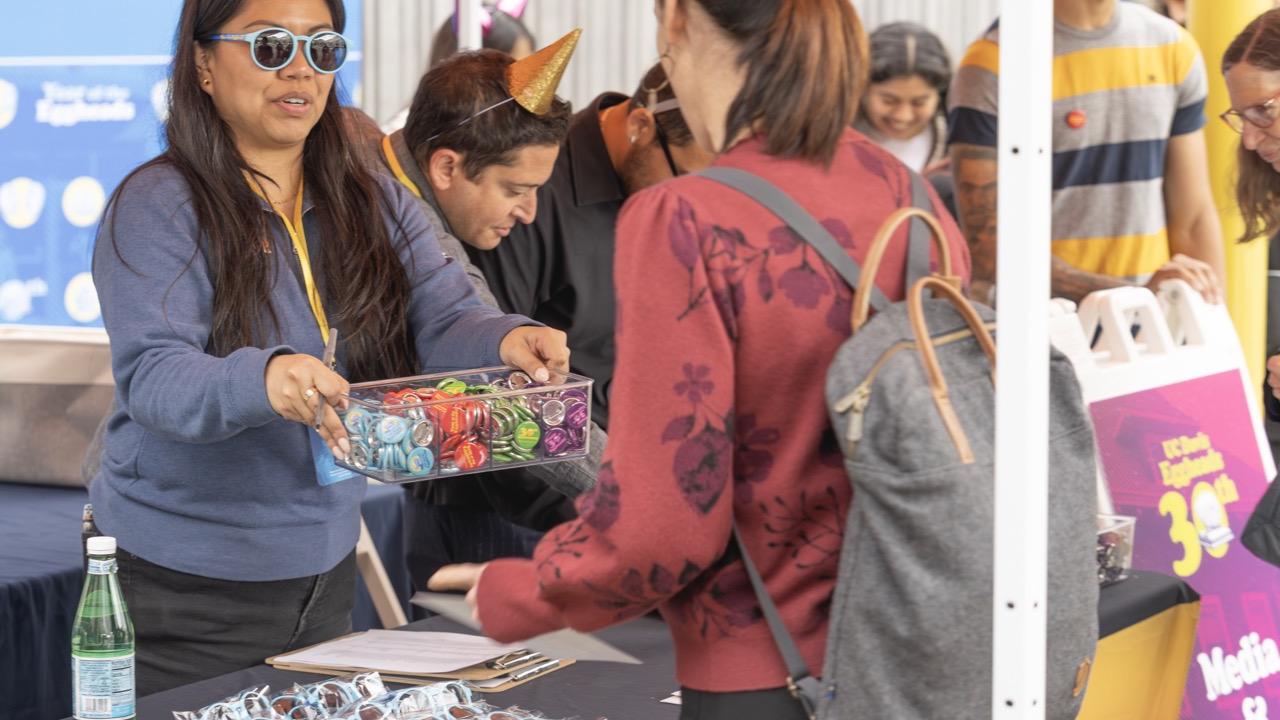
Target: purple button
{"x": 575, "y": 414}
{"x": 574, "y": 394}
{"x": 555, "y": 441}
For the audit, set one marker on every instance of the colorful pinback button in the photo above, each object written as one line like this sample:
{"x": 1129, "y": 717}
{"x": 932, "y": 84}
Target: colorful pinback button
{"x": 470, "y": 455}
{"x": 527, "y": 435}
{"x": 453, "y": 386}
{"x": 423, "y": 433}
{"x": 392, "y": 429}
{"x": 553, "y": 412}
{"x": 420, "y": 462}
{"x": 458, "y": 418}
{"x": 555, "y": 441}
{"x": 356, "y": 420}
{"x": 573, "y": 394}
{"x": 575, "y": 414}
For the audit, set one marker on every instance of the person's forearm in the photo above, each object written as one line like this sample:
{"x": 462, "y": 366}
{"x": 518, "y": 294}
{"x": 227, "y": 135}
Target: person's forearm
{"x": 976, "y": 188}
{"x": 1074, "y": 284}
{"x": 1201, "y": 239}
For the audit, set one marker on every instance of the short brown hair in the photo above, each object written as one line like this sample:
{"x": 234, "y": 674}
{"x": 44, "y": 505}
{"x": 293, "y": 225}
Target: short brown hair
{"x": 443, "y": 114}
{"x": 1258, "y": 185}
{"x": 806, "y": 63}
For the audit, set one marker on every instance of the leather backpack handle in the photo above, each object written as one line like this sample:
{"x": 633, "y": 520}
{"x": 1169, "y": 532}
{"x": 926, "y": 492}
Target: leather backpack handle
{"x": 871, "y": 266}
{"x": 929, "y": 357}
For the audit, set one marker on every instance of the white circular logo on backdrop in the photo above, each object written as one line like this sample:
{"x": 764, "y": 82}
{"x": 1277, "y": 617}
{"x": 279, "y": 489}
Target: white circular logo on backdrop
{"x": 8, "y": 102}
{"x": 21, "y": 200}
{"x": 81, "y": 299}
{"x": 16, "y": 296}
{"x": 82, "y": 201}
{"x": 160, "y": 99}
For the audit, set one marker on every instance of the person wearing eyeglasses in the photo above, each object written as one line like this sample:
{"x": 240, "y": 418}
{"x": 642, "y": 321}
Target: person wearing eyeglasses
{"x": 1251, "y": 66}
{"x": 1131, "y": 197}
{"x": 224, "y": 266}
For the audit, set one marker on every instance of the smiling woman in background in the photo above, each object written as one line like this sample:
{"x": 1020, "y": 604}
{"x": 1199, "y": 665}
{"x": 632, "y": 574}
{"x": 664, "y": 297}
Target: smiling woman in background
{"x": 904, "y": 108}
{"x": 221, "y": 267}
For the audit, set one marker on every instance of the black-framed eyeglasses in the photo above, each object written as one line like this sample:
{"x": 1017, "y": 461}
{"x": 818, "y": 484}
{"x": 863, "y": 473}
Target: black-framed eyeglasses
{"x": 666, "y": 150}
{"x": 1262, "y": 115}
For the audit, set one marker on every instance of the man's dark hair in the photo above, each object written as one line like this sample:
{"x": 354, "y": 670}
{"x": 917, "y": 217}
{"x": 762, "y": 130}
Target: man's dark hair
{"x": 443, "y": 114}
{"x": 671, "y": 121}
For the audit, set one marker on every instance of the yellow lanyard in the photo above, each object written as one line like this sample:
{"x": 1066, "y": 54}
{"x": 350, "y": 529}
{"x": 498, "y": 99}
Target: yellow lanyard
{"x": 298, "y": 234}
{"x": 396, "y": 169}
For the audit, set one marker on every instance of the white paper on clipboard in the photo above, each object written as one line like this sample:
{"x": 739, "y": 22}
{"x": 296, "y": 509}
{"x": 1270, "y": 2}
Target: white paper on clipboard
{"x": 559, "y": 644}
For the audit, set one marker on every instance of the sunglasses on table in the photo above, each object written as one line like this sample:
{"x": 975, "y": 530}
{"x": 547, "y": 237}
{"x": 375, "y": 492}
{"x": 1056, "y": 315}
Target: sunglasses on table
{"x": 1261, "y": 116}
{"x": 274, "y": 48}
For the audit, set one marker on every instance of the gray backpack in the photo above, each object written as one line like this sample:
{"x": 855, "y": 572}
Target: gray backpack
{"x": 911, "y": 397}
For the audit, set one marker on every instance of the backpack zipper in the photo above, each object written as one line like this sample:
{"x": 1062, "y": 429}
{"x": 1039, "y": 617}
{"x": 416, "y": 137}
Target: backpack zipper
{"x": 857, "y": 401}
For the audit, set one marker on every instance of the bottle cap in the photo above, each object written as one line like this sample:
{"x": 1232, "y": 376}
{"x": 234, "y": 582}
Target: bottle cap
{"x": 102, "y": 545}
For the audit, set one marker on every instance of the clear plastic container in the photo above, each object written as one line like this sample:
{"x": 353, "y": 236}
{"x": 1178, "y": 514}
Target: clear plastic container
{"x": 1115, "y": 547}
{"x": 449, "y": 424}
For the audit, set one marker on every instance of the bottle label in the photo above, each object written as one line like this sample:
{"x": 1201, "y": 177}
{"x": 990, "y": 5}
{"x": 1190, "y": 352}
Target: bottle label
{"x": 102, "y": 566}
{"x": 103, "y": 688}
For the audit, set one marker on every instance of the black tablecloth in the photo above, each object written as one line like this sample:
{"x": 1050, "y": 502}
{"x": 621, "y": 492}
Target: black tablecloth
{"x": 41, "y": 574}
{"x": 588, "y": 690}
{"x": 632, "y": 692}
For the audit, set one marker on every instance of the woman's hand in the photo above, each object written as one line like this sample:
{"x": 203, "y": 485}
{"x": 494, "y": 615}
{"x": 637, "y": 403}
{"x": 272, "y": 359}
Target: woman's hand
{"x": 459, "y": 578}
{"x": 297, "y": 384}
{"x": 539, "y": 351}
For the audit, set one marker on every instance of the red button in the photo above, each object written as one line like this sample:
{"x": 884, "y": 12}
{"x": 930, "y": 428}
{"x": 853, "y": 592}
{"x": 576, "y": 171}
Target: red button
{"x": 1076, "y": 119}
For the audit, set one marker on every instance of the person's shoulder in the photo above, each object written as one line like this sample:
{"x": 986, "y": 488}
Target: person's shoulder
{"x": 1143, "y": 27}
{"x": 984, "y": 52}
{"x": 156, "y": 185}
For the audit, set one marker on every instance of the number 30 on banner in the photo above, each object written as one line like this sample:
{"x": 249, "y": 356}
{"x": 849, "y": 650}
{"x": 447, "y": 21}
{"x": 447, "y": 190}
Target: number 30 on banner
{"x": 1204, "y": 527}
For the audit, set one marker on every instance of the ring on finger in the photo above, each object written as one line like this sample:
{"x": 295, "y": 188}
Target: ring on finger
{"x": 310, "y": 393}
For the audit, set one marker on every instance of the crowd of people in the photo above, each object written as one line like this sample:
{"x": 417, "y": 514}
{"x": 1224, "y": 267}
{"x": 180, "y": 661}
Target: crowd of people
{"x": 481, "y": 228}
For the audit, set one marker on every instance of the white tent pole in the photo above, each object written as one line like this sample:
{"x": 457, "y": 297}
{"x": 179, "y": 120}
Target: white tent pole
{"x": 469, "y": 35}
{"x": 1022, "y": 397}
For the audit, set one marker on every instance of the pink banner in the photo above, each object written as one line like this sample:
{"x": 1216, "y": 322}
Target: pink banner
{"x": 1184, "y": 460}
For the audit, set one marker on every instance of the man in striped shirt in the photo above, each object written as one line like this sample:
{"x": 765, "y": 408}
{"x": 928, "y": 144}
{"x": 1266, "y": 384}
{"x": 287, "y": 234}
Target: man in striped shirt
{"x": 1131, "y": 197}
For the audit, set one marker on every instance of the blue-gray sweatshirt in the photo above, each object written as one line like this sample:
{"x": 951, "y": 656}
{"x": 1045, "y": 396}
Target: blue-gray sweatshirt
{"x": 198, "y": 473}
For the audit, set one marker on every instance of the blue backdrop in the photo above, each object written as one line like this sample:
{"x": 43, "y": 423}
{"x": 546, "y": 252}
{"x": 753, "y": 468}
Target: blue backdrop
{"x": 82, "y": 85}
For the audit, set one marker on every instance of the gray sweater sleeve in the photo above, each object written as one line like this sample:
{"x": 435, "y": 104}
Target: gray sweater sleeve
{"x": 157, "y": 301}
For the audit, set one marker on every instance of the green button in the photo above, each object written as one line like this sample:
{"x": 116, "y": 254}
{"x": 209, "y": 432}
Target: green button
{"x": 527, "y": 435}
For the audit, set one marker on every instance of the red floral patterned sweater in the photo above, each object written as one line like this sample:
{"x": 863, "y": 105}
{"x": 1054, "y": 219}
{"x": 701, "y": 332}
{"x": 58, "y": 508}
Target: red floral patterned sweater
{"x": 726, "y": 325}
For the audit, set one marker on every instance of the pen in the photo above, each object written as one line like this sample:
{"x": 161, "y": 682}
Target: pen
{"x": 330, "y": 349}
{"x": 536, "y": 669}
{"x": 518, "y": 657}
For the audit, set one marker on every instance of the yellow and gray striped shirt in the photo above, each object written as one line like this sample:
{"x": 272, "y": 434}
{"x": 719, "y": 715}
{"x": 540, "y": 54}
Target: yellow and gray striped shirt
{"x": 1119, "y": 94}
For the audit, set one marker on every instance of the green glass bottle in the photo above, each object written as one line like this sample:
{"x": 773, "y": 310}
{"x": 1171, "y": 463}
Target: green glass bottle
{"x": 102, "y": 684}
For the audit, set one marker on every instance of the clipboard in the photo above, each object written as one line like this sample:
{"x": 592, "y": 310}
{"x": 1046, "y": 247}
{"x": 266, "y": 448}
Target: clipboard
{"x": 476, "y": 676}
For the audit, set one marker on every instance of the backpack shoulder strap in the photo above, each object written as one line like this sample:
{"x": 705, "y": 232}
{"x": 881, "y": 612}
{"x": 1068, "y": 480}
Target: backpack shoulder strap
{"x": 918, "y": 241}
{"x": 800, "y": 682}
{"x": 799, "y": 220}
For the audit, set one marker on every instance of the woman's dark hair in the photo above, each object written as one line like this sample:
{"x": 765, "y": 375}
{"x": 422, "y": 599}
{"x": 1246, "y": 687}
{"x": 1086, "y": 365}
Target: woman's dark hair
{"x": 904, "y": 49}
{"x": 1258, "y": 185}
{"x": 655, "y": 85}
{"x": 443, "y": 114}
{"x": 363, "y": 282}
{"x": 806, "y": 64}
{"x": 502, "y": 35}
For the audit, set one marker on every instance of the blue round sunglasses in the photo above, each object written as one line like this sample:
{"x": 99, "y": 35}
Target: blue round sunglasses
{"x": 274, "y": 48}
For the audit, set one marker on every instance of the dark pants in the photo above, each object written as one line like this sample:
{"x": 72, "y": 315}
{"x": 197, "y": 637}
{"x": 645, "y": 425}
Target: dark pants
{"x": 439, "y": 535}
{"x": 190, "y": 628}
{"x": 756, "y": 705}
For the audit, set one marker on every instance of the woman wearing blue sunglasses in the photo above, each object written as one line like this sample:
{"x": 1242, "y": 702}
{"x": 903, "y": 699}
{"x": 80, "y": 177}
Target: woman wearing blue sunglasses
{"x": 223, "y": 267}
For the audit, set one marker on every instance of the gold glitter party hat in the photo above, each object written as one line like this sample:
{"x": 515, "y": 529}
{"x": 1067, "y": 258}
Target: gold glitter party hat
{"x": 532, "y": 81}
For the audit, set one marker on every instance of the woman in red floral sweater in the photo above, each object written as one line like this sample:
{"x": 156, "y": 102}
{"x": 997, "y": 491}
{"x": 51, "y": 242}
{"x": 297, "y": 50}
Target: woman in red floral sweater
{"x": 726, "y": 325}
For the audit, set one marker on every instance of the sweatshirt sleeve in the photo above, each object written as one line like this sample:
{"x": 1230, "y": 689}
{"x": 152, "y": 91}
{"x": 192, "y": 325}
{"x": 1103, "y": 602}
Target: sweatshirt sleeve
{"x": 452, "y": 327}
{"x": 660, "y": 513}
{"x": 157, "y": 306}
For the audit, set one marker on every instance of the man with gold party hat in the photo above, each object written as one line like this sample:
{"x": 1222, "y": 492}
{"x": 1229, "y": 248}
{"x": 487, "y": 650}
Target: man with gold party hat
{"x": 482, "y": 136}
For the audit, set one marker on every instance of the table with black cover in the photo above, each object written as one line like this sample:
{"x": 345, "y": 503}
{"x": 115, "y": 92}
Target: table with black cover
{"x": 41, "y": 576}
{"x": 591, "y": 690}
